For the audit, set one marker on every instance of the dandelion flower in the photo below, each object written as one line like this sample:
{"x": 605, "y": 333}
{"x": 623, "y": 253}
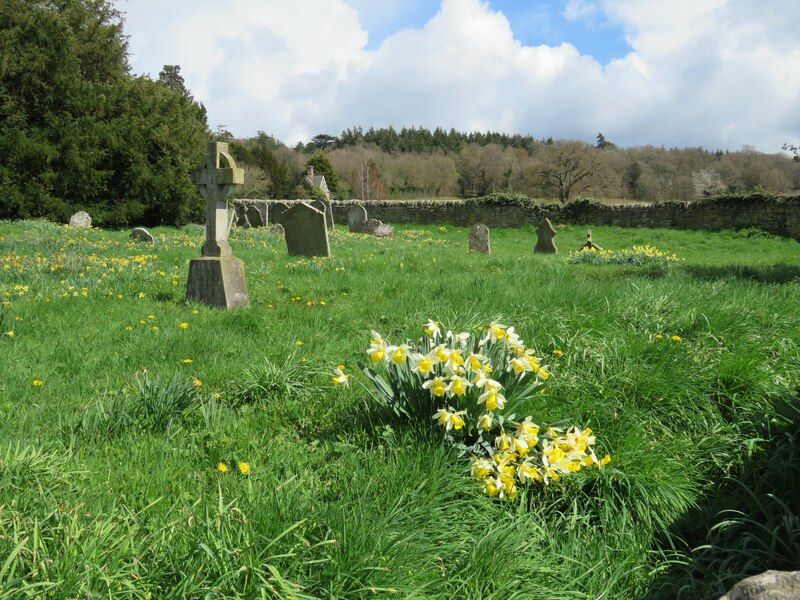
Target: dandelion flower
{"x": 9, "y": 333}
{"x": 676, "y": 338}
{"x": 187, "y": 361}
{"x": 196, "y": 382}
{"x": 659, "y": 336}
{"x": 299, "y": 342}
{"x": 558, "y": 352}
{"x": 37, "y": 382}
{"x": 244, "y": 468}
{"x": 184, "y": 325}
{"x": 222, "y": 467}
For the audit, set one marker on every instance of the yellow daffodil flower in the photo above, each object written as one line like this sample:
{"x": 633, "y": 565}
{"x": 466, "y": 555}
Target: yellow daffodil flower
{"x": 437, "y": 385}
{"x": 458, "y": 386}
{"x": 340, "y": 378}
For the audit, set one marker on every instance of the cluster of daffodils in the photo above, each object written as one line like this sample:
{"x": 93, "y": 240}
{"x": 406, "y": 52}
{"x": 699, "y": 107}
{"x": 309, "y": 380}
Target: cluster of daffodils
{"x": 637, "y": 255}
{"x": 470, "y": 385}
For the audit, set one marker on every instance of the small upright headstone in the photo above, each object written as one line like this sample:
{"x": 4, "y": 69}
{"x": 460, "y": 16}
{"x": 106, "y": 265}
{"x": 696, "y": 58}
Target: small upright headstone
{"x": 140, "y": 234}
{"x": 217, "y": 277}
{"x": 545, "y": 234}
{"x": 590, "y": 242}
{"x": 306, "y": 232}
{"x": 356, "y": 217}
{"x": 277, "y": 229}
{"x": 254, "y": 217}
{"x": 325, "y": 207}
{"x": 80, "y": 219}
{"x": 479, "y": 239}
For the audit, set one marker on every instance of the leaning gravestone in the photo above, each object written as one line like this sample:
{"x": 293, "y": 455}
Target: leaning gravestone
{"x": 80, "y": 219}
{"x": 479, "y": 239}
{"x": 356, "y": 217}
{"x": 324, "y": 206}
{"x": 217, "y": 277}
{"x": 254, "y": 216}
{"x": 140, "y": 234}
{"x": 545, "y": 234}
{"x": 306, "y": 231}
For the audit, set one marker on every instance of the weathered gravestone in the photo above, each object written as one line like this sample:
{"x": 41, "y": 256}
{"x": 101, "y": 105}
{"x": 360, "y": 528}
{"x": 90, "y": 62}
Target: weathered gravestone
{"x": 277, "y": 229}
{"x": 479, "y": 239}
{"x": 305, "y": 231}
{"x": 356, "y": 217}
{"x": 140, "y": 234}
{"x": 239, "y": 215}
{"x": 278, "y": 211}
{"x": 80, "y": 219}
{"x": 217, "y": 277}
{"x": 590, "y": 242}
{"x": 254, "y": 216}
{"x": 378, "y": 229}
{"x": 545, "y": 234}
{"x": 325, "y": 207}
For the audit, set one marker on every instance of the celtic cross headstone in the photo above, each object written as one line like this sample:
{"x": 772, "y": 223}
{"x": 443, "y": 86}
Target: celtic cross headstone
{"x": 217, "y": 277}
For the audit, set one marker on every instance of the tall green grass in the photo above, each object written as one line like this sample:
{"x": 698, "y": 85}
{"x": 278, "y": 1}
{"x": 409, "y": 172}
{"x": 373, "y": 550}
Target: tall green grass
{"x": 108, "y": 468}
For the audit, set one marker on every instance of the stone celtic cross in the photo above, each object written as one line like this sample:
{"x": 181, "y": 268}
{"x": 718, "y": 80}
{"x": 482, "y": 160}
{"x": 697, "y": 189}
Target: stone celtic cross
{"x": 216, "y": 177}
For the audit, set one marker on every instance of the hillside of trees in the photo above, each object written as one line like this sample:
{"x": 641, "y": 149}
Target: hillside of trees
{"x": 419, "y": 163}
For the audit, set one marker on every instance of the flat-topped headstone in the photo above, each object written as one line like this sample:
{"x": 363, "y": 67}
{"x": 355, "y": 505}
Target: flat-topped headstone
{"x": 217, "y": 277}
{"x": 80, "y": 219}
{"x": 545, "y": 234}
{"x": 140, "y": 234}
{"x": 305, "y": 231}
{"x": 479, "y": 239}
{"x": 356, "y": 217}
{"x": 325, "y": 207}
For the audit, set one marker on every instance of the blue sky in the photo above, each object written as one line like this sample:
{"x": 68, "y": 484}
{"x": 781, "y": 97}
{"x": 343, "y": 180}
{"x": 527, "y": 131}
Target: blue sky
{"x": 712, "y": 73}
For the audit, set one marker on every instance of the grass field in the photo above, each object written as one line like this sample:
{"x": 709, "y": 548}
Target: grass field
{"x": 118, "y": 401}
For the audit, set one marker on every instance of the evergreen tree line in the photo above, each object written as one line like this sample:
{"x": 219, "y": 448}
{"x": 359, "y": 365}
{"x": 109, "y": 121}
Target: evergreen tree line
{"x": 78, "y": 131}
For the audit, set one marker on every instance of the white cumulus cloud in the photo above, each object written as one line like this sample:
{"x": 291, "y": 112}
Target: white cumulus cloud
{"x": 716, "y": 73}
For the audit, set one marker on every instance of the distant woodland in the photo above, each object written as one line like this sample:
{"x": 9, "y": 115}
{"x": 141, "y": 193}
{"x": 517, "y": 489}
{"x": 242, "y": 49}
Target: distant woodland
{"x": 420, "y": 163}
{"x": 79, "y": 131}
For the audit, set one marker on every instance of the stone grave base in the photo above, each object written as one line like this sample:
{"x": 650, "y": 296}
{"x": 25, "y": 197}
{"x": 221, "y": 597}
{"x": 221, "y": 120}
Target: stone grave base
{"x": 217, "y": 281}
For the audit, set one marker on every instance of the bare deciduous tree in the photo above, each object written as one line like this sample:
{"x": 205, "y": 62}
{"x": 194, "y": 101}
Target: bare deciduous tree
{"x": 568, "y": 168}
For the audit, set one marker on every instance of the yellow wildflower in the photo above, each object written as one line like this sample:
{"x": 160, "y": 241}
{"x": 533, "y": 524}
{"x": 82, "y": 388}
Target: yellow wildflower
{"x": 339, "y": 376}
{"x": 676, "y": 338}
{"x": 187, "y": 361}
{"x": 9, "y": 333}
{"x": 37, "y": 382}
{"x": 244, "y": 468}
{"x": 222, "y": 467}
{"x": 184, "y": 325}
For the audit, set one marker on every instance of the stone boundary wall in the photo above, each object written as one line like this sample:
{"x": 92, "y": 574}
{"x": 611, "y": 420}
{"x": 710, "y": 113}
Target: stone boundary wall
{"x": 779, "y": 215}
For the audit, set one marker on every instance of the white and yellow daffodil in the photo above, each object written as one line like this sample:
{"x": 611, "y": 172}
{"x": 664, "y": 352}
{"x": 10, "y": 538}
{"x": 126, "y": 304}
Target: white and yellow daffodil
{"x": 437, "y": 386}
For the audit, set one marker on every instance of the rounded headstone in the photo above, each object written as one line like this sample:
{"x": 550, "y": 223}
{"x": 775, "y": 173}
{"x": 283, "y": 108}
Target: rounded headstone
{"x": 140, "y": 234}
{"x": 80, "y": 219}
{"x": 277, "y": 229}
{"x": 356, "y": 217}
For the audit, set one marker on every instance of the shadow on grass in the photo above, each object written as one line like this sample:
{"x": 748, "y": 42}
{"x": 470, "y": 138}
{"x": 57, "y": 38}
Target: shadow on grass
{"x": 750, "y": 524}
{"x": 777, "y": 273}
